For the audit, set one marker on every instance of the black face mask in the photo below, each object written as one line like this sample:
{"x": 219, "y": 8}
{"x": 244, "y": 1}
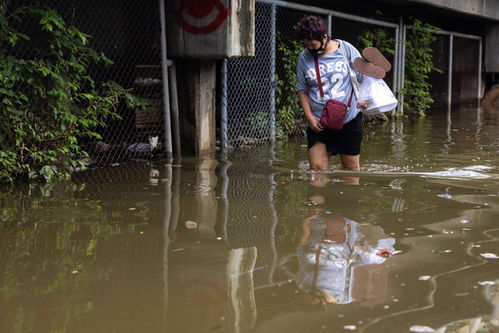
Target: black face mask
{"x": 316, "y": 52}
{"x": 320, "y": 50}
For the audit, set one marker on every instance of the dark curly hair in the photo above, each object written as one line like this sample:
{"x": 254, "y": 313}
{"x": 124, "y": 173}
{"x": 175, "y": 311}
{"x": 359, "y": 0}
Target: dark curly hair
{"x": 311, "y": 27}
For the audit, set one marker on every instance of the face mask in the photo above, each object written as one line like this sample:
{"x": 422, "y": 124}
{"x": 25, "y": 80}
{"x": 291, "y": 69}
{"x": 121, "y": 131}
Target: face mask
{"x": 316, "y": 52}
{"x": 320, "y": 50}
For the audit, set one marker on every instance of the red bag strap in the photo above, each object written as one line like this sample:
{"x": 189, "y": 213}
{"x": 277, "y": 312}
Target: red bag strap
{"x": 350, "y": 99}
{"x": 318, "y": 74}
{"x": 319, "y": 82}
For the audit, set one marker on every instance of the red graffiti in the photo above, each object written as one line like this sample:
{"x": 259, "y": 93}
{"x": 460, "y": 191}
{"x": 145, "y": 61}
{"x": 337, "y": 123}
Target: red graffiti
{"x": 199, "y": 9}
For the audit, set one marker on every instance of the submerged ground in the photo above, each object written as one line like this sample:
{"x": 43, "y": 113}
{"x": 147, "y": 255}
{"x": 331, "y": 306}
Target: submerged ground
{"x": 411, "y": 243}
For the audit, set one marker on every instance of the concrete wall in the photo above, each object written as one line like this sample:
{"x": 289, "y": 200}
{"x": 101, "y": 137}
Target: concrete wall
{"x": 484, "y": 8}
{"x": 492, "y": 49}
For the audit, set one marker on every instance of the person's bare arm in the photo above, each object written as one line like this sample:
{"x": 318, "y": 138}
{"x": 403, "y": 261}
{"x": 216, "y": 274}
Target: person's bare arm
{"x": 315, "y": 125}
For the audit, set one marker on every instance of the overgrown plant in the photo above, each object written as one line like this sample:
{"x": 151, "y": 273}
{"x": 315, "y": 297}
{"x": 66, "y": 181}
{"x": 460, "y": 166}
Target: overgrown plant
{"x": 288, "y": 108}
{"x": 379, "y": 39}
{"x": 418, "y": 66}
{"x": 49, "y": 102}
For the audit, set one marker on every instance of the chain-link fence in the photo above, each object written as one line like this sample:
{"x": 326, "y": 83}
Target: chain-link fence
{"x": 258, "y": 103}
{"x": 261, "y": 103}
{"x": 127, "y": 32}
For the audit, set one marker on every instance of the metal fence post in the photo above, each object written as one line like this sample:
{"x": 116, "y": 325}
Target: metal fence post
{"x": 273, "y": 82}
{"x": 479, "y": 70}
{"x": 449, "y": 74}
{"x": 402, "y": 65}
{"x": 164, "y": 68}
{"x": 399, "y": 62}
{"x": 223, "y": 108}
{"x": 396, "y": 60}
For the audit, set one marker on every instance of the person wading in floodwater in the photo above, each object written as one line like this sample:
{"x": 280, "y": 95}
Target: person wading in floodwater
{"x": 335, "y": 58}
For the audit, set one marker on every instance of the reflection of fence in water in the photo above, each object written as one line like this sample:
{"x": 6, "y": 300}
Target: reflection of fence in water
{"x": 251, "y": 217}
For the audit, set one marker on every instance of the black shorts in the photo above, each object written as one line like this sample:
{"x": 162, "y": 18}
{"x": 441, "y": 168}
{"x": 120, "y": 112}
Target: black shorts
{"x": 345, "y": 141}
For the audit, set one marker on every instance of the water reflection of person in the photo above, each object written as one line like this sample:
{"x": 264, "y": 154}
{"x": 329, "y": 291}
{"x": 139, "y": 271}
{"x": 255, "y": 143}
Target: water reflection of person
{"x": 337, "y": 264}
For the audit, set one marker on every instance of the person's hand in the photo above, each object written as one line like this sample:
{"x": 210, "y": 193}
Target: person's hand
{"x": 315, "y": 125}
{"x": 362, "y": 104}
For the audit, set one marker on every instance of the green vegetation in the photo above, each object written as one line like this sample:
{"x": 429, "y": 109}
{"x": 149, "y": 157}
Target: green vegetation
{"x": 379, "y": 39}
{"x": 288, "y": 111}
{"x": 419, "y": 55}
{"x": 418, "y": 66}
{"x": 49, "y": 102}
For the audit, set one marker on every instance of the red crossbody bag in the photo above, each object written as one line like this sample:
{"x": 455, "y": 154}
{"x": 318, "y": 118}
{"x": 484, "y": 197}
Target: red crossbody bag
{"x": 334, "y": 111}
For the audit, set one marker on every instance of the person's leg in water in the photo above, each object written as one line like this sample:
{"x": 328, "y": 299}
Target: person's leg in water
{"x": 318, "y": 157}
{"x": 350, "y": 162}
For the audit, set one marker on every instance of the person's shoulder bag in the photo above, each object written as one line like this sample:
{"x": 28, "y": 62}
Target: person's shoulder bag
{"x": 334, "y": 111}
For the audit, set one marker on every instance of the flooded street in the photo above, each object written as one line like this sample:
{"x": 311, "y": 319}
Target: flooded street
{"x": 254, "y": 243}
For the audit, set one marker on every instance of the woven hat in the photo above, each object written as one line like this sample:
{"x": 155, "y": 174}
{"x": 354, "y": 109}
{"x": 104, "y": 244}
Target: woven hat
{"x": 373, "y": 55}
{"x": 368, "y": 68}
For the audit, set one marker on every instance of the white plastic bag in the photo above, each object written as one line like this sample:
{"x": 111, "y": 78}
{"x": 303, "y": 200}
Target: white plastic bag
{"x": 378, "y": 96}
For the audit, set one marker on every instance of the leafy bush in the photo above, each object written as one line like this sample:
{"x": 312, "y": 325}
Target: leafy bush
{"x": 379, "y": 39}
{"x": 288, "y": 107}
{"x": 418, "y": 66}
{"x": 48, "y": 100}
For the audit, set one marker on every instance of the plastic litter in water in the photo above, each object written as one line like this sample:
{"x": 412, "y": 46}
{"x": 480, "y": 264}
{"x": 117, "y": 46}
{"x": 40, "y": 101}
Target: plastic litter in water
{"x": 463, "y": 221}
{"x": 190, "y": 224}
{"x": 350, "y": 327}
{"x": 486, "y": 283}
{"x": 139, "y": 147}
{"x": 424, "y": 277}
{"x": 446, "y": 196}
{"x": 421, "y": 329}
{"x": 489, "y": 255}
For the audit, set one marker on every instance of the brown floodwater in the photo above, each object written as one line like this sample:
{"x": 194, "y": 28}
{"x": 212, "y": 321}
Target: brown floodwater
{"x": 255, "y": 243}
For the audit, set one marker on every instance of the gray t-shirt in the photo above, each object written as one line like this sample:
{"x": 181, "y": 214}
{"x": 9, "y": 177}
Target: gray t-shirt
{"x": 335, "y": 79}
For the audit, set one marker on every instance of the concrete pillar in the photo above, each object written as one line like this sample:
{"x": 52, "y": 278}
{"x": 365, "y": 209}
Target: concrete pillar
{"x": 492, "y": 49}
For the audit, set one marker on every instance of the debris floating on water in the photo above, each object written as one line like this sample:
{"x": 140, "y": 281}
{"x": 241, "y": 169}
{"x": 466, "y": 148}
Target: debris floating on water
{"x": 489, "y": 255}
{"x": 424, "y": 277}
{"x": 421, "y": 329}
{"x": 190, "y": 224}
{"x": 486, "y": 283}
{"x": 463, "y": 221}
{"x": 350, "y": 327}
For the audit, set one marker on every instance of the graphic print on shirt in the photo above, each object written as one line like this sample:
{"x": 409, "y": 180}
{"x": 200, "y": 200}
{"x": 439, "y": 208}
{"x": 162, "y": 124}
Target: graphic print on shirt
{"x": 332, "y": 76}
